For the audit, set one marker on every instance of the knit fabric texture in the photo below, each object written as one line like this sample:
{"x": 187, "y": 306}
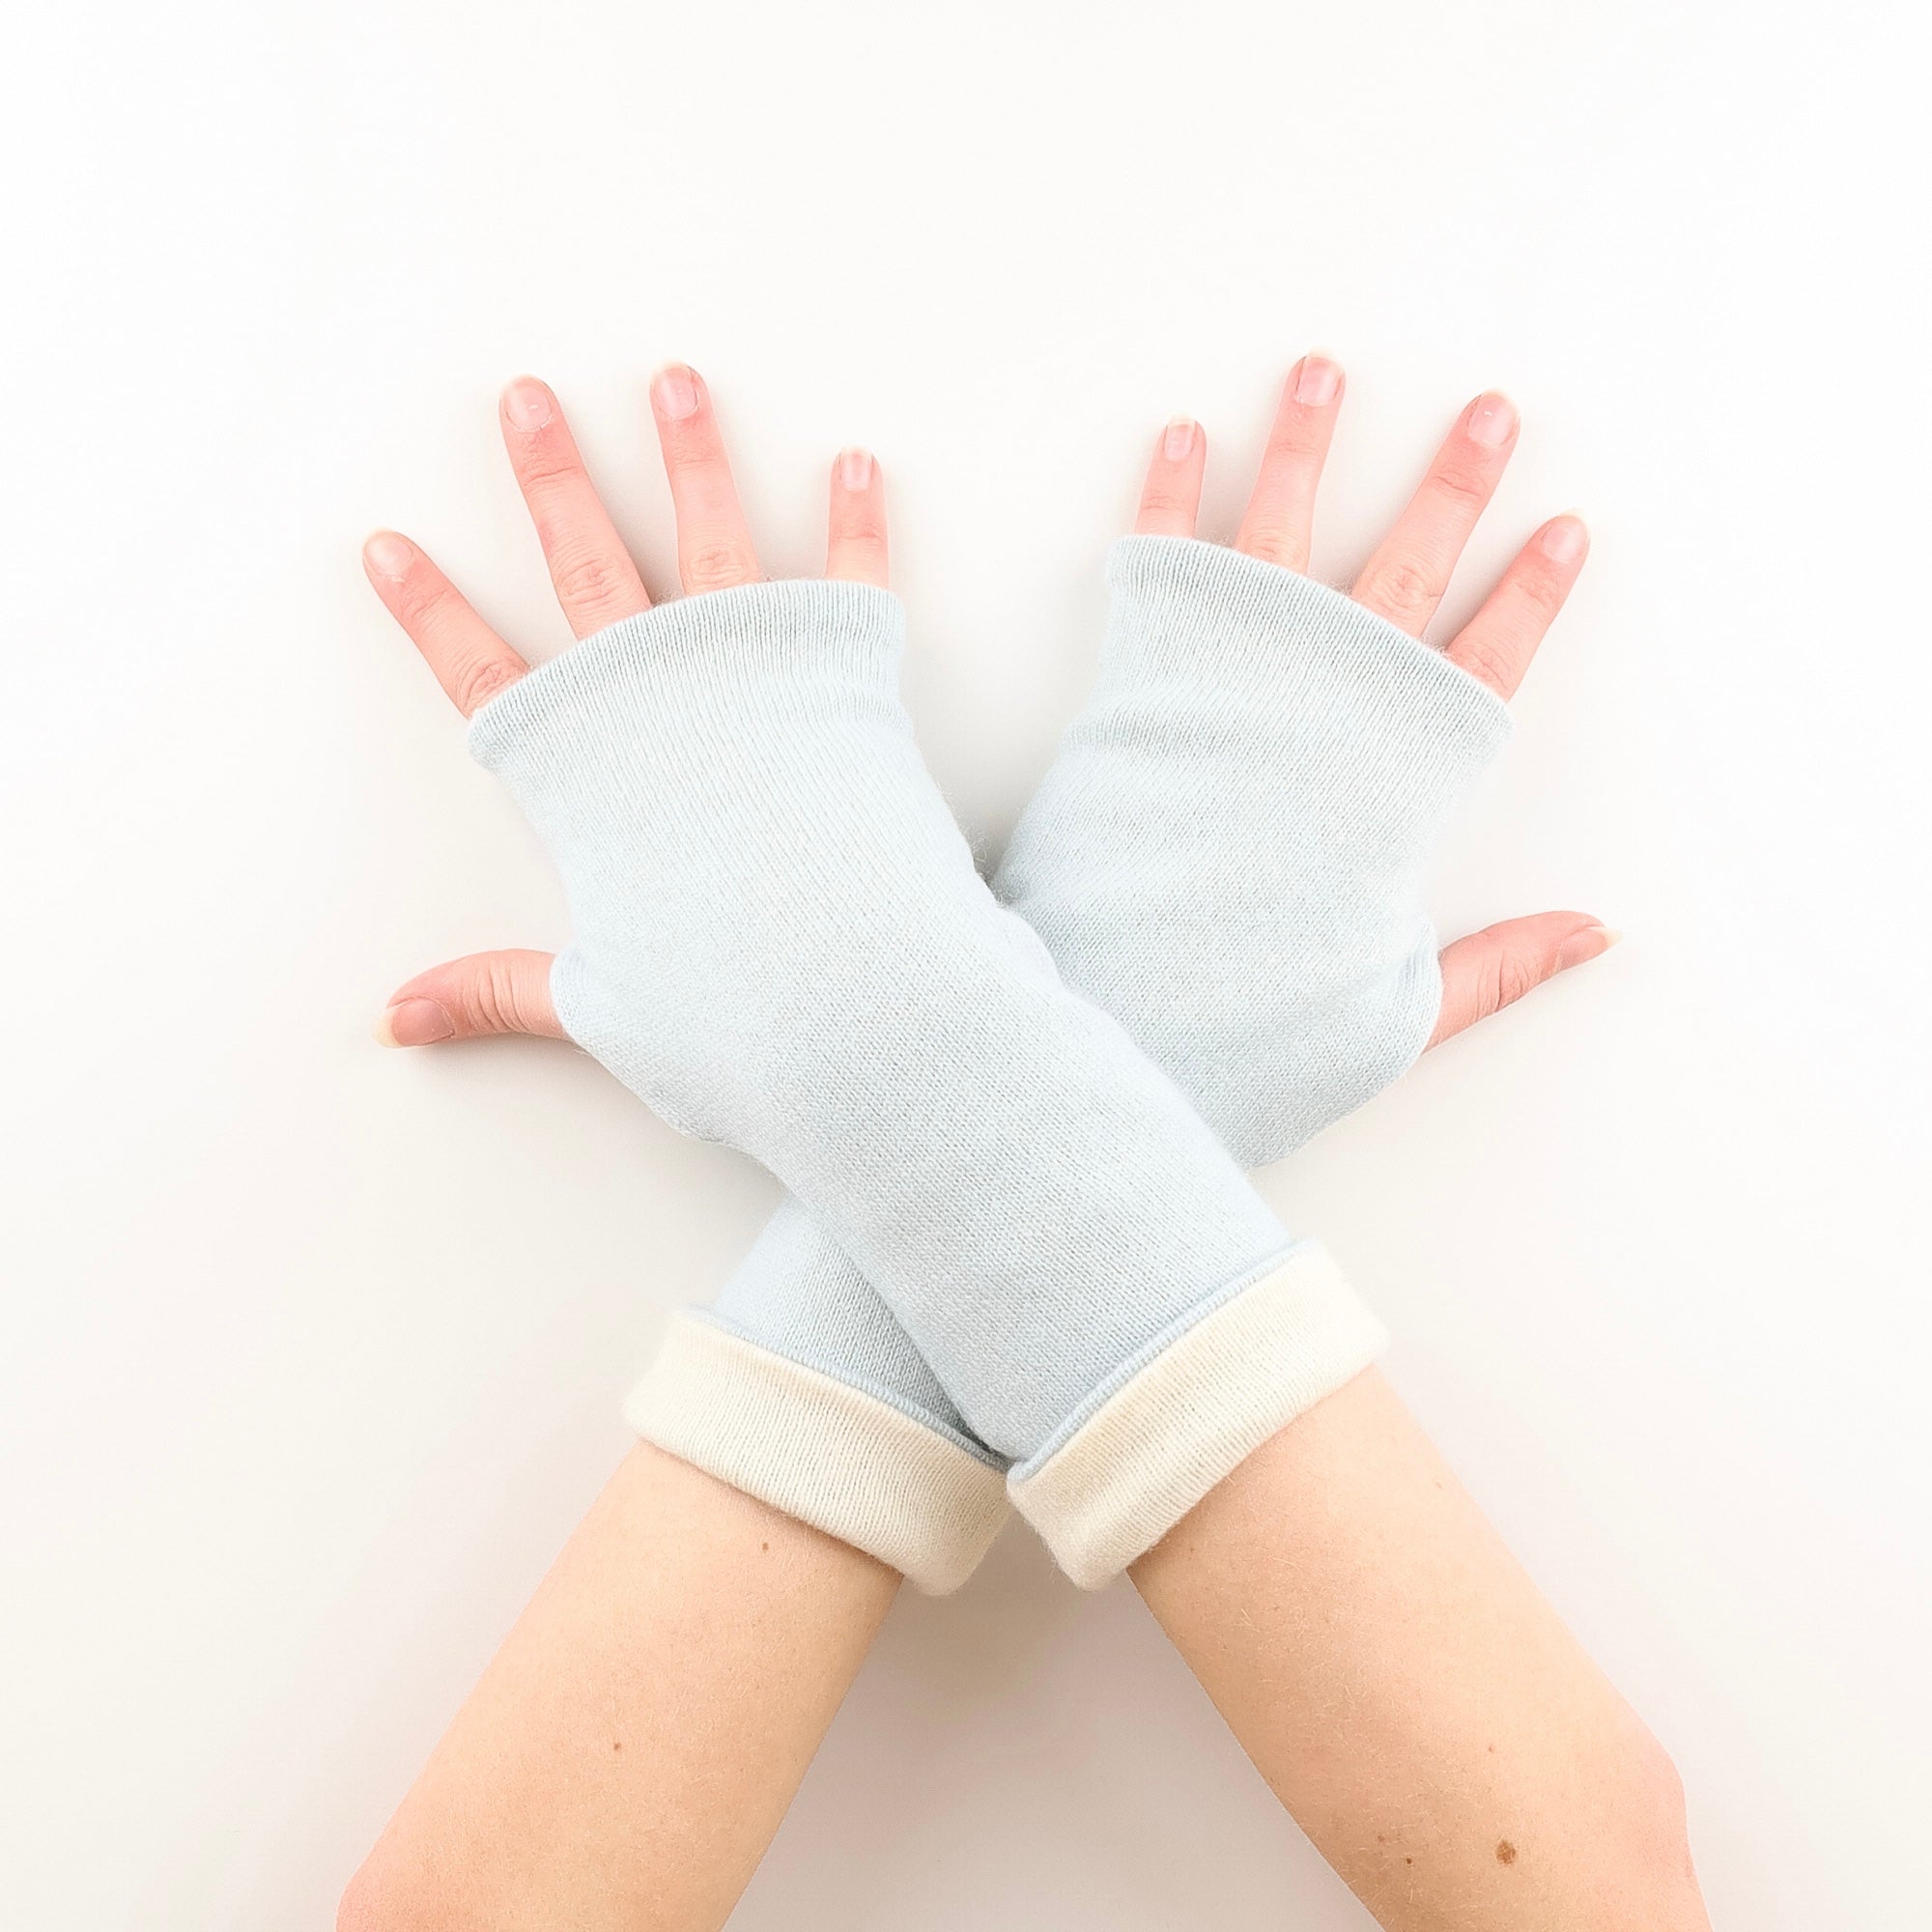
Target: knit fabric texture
{"x": 1226, "y": 855}
{"x": 1228, "y": 850}
{"x": 780, "y": 942}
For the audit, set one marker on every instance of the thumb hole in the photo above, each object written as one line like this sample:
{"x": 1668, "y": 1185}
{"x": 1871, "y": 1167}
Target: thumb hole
{"x": 473, "y": 998}
{"x": 1495, "y": 968}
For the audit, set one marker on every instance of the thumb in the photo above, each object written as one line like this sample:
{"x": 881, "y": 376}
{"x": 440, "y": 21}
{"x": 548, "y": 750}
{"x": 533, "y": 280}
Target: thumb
{"x": 1495, "y": 968}
{"x": 472, "y": 998}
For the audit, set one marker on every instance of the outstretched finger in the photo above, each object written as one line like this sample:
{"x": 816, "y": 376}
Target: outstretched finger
{"x": 855, "y": 547}
{"x": 1171, "y": 496}
{"x": 596, "y": 582}
{"x": 1495, "y": 968}
{"x": 1498, "y": 644}
{"x": 473, "y": 998}
{"x": 471, "y": 663}
{"x": 714, "y": 541}
{"x": 1409, "y": 572}
{"x": 1279, "y": 524}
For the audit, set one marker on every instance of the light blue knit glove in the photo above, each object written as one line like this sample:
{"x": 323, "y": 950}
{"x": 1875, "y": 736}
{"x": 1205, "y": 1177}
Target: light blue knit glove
{"x": 1226, "y": 854}
{"x": 780, "y": 941}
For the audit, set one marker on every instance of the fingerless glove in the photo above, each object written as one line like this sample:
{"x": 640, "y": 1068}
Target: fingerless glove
{"x": 780, "y": 942}
{"x": 1226, "y": 854}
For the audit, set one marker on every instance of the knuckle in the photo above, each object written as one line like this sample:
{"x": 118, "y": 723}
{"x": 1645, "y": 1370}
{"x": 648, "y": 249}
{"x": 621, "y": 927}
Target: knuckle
{"x": 1295, "y": 445}
{"x": 1469, "y": 489}
{"x": 421, "y": 600}
{"x": 547, "y": 464}
{"x": 715, "y": 564}
{"x": 480, "y": 680}
{"x": 588, "y": 578}
{"x": 1487, "y": 659}
{"x": 1167, "y": 504}
{"x": 1271, "y": 541}
{"x": 1545, "y": 589}
{"x": 493, "y": 998}
{"x": 864, "y": 532}
{"x": 1403, "y": 586}
{"x": 1508, "y": 977}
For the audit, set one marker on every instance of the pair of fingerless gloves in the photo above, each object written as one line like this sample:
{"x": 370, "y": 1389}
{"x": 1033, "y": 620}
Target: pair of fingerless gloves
{"x": 1020, "y": 1259}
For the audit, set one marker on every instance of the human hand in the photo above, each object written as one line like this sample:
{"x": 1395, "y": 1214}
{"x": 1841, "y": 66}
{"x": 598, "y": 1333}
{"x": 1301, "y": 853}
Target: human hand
{"x": 1404, "y": 582}
{"x": 1227, "y": 855}
{"x": 597, "y": 584}
{"x": 765, "y": 1312}
{"x": 782, "y": 943}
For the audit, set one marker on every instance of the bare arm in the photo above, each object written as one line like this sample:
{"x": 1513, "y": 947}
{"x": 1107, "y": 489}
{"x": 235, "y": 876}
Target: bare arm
{"x": 1396, "y": 1677}
{"x": 627, "y": 1756}
{"x": 1408, "y": 1695}
{"x": 630, "y": 1751}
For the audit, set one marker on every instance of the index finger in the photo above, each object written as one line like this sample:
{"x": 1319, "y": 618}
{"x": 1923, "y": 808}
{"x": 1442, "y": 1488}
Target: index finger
{"x": 1409, "y": 574}
{"x": 1498, "y": 644}
{"x": 471, "y": 663}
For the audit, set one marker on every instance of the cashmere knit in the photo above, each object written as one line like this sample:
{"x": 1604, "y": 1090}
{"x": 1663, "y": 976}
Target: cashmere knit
{"x": 1227, "y": 855}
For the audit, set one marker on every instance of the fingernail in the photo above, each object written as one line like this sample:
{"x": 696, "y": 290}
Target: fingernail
{"x": 675, "y": 388}
{"x": 1592, "y": 943}
{"x": 855, "y": 470}
{"x": 526, "y": 403}
{"x": 1492, "y": 419}
{"x": 389, "y": 555}
{"x": 1179, "y": 439}
{"x": 1563, "y": 541}
{"x": 414, "y": 1023}
{"x": 1318, "y": 382}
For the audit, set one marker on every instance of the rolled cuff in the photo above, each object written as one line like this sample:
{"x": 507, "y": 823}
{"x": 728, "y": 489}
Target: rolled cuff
{"x": 1205, "y": 1403}
{"x": 833, "y": 1456}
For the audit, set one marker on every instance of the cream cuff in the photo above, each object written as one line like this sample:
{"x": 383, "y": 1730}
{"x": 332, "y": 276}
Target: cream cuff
{"x": 1148, "y": 1453}
{"x": 836, "y": 1457}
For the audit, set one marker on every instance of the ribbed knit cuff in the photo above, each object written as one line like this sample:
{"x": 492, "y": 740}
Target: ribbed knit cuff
{"x": 1129, "y": 1469}
{"x": 723, "y": 654}
{"x": 837, "y": 1456}
{"x": 1216, "y": 618}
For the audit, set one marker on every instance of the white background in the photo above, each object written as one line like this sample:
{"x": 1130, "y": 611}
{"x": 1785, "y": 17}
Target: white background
{"x": 312, "y": 1354}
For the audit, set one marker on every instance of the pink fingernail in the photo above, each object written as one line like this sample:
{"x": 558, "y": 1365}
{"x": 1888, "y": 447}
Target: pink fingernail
{"x": 1563, "y": 541}
{"x": 1319, "y": 383}
{"x": 855, "y": 470}
{"x": 526, "y": 403}
{"x": 414, "y": 1023}
{"x": 675, "y": 388}
{"x": 1491, "y": 420}
{"x": 1592, "y": 943}
{"x": 389, "y": 555}
{"x": 1179, "y": 441}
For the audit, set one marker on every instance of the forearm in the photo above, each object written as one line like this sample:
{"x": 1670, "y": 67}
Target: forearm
{"x": 630, "y": 1750}
{"x": 1409, "y": 1696}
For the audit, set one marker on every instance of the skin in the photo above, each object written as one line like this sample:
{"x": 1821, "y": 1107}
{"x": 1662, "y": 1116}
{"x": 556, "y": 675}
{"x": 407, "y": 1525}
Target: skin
{"x": 1398, "y": 1681}
{"x": 630, "y": 1751}
{"x": 1409, "y": 1697}
{"x": 597, "y": 583}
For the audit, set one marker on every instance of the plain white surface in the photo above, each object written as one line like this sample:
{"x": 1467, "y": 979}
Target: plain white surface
{"x": 312, "y": 1353}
